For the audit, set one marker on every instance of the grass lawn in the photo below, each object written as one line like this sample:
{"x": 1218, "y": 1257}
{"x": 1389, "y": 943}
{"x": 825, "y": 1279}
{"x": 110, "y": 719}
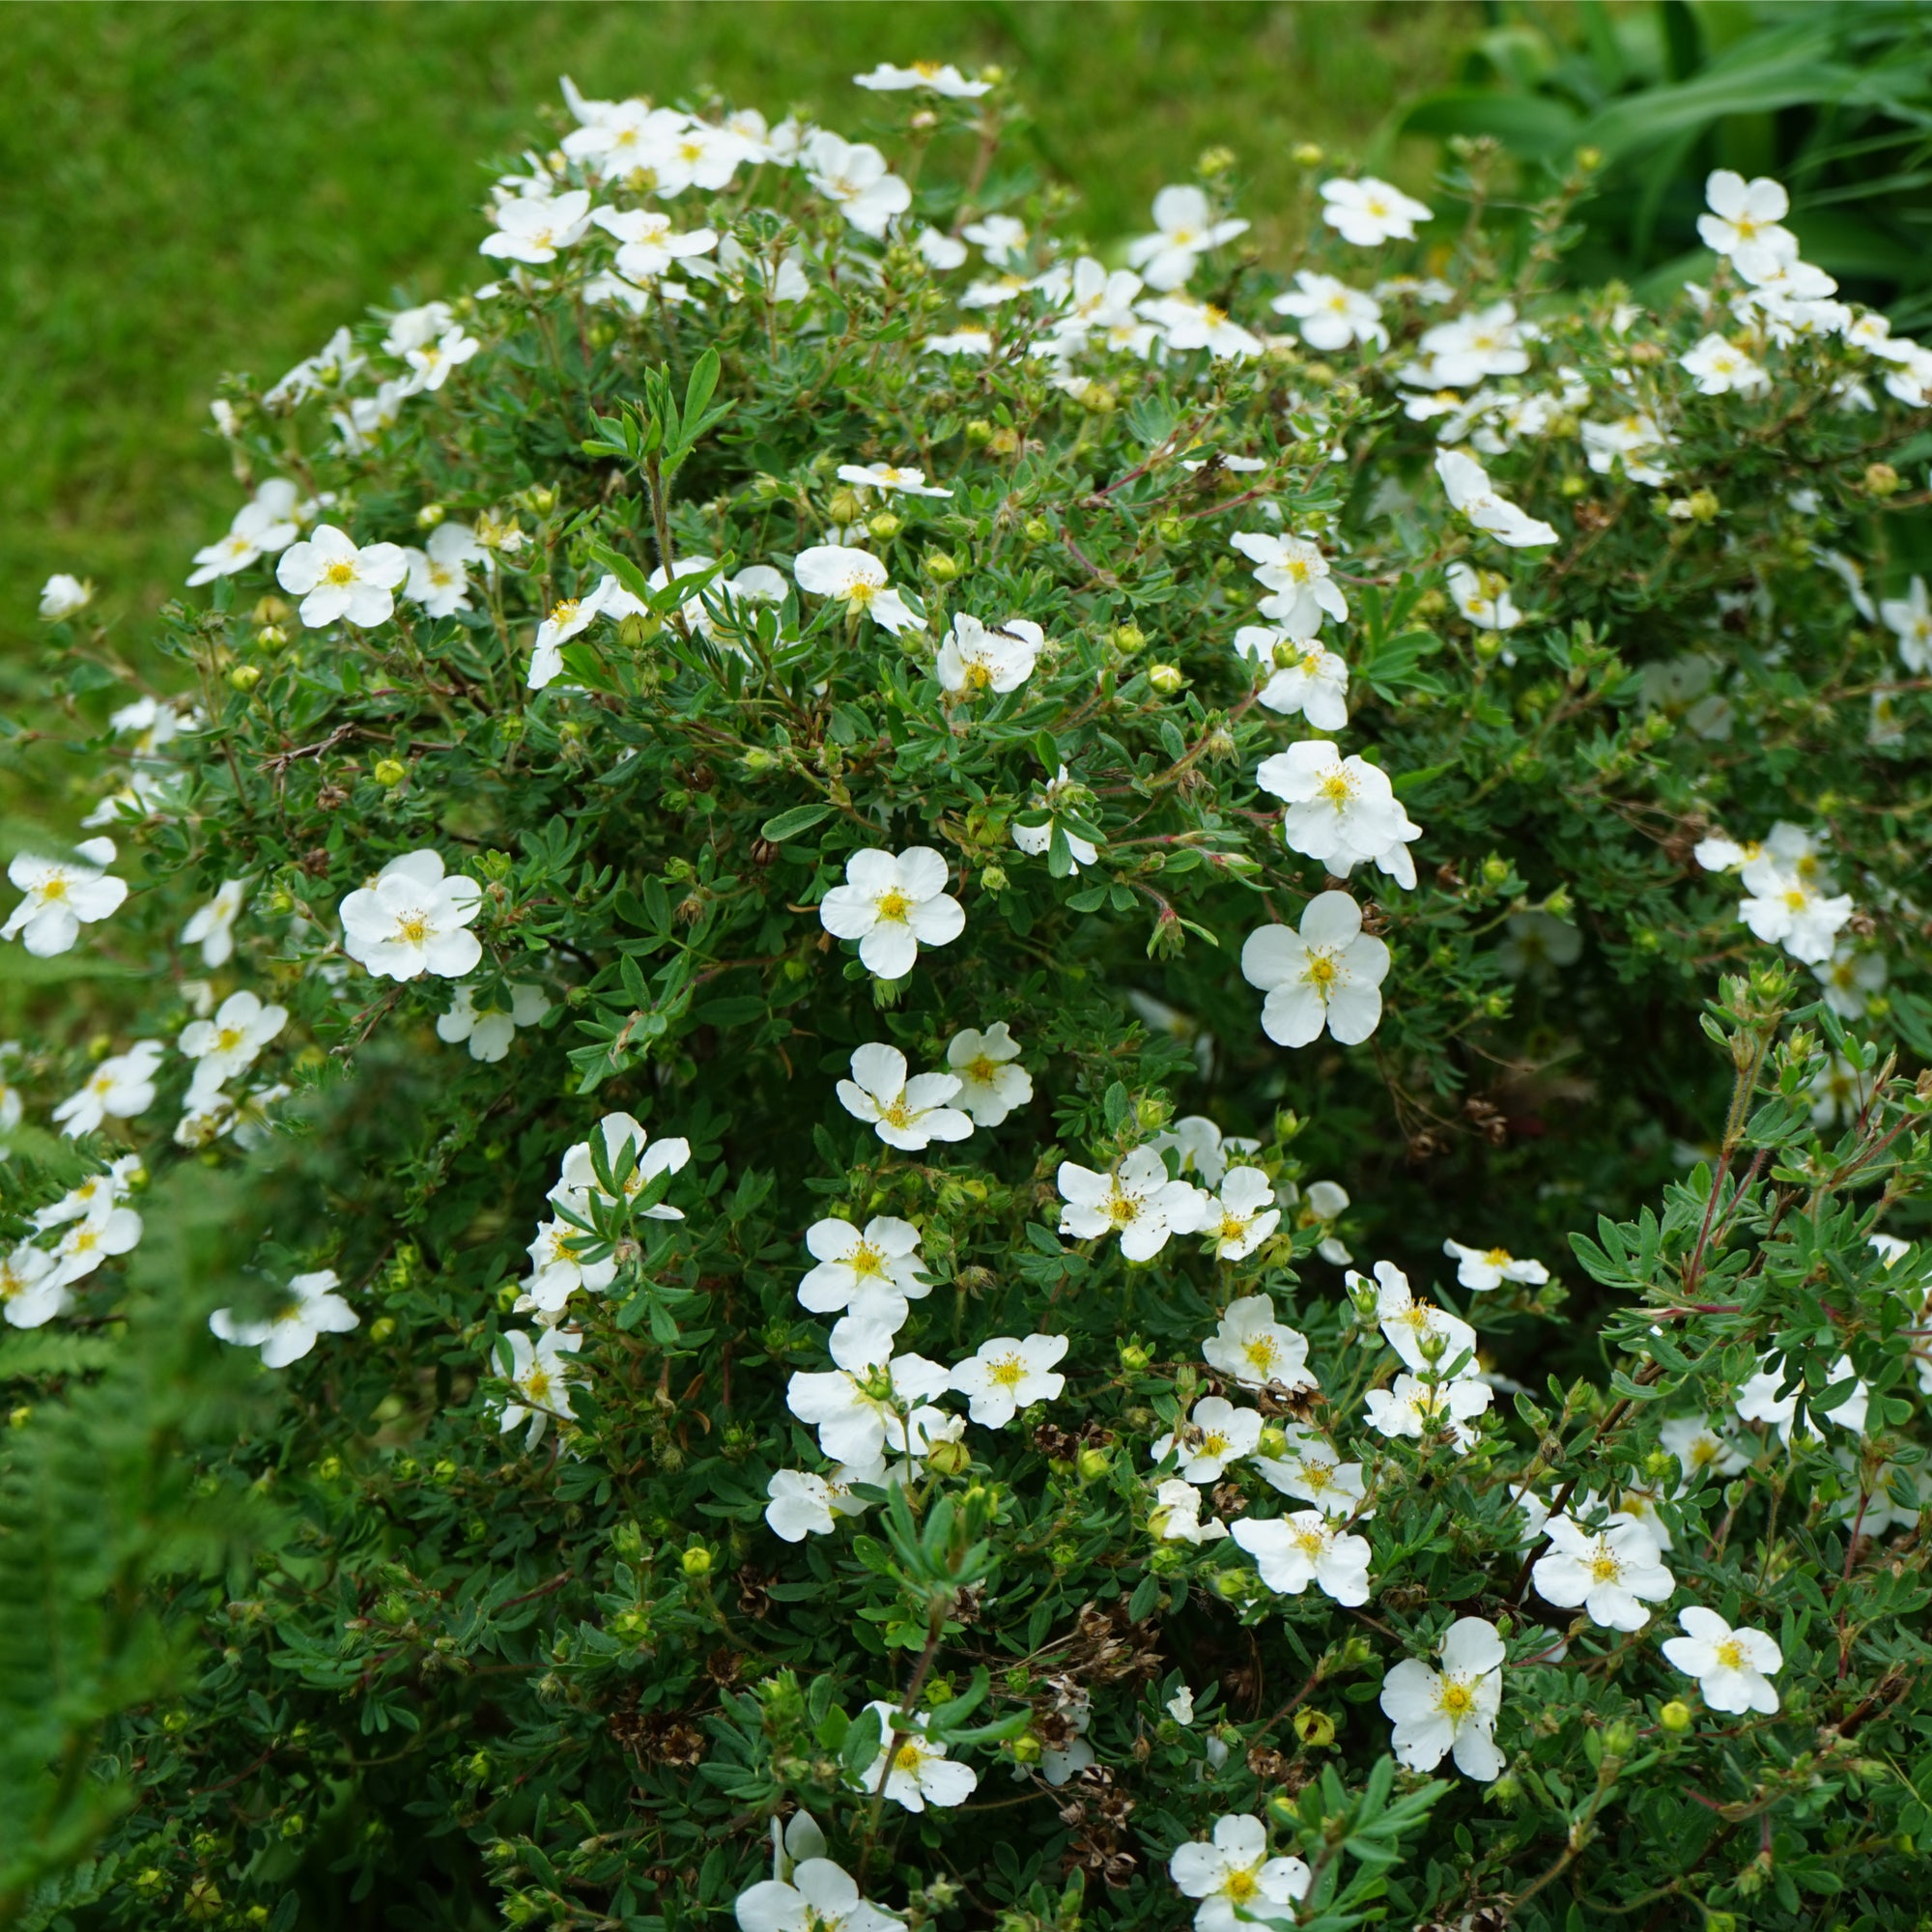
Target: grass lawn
{"x": 190, "y": 189}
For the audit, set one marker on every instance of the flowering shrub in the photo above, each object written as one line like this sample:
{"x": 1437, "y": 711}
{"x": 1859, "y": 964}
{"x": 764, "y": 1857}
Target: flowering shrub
{"x": 828, "y": 865}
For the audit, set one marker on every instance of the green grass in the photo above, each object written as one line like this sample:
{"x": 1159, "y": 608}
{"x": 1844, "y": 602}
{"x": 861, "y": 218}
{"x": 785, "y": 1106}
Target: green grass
{"x": 186, "y": 191}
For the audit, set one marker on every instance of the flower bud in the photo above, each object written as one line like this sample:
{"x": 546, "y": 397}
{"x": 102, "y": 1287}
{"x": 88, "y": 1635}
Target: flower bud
{"x": 431, "y": 515}
{"x": 1307, "y": 155}
{"x": 885, "y": 525}
{"x": 1619, "y": 1738}
{"x": 1675, "y": 1716}
{"x": 1093, "y": 1464}
{"x": 19, "y": 1417}
{"x": 1273, "y": 1443}
{"x": 246, "y": 677}
{"x": 980, "y": 431}
{"x": 1166, "y": 678}
{"x": 948, "y": 1459}
{"x": 1315, "y": 1728}
{"x": 1573, "y": 485}
{"x": 1035, "y": 529}
{"x": 1171, "y": 530}
{"x": 1134, "y": 1359}
{"x": 1027, "y": 1750}
{"x": 1882, "y": 480}
{"x": 695, "y": 1561}
{"x": 382, "y": 1328}
{"x": 941, "y": 566}
{"x": 1127, "y": 638}
{"x": 1704, "y": 505}
{"x": 270, "y": 638}
{"x": 994, "y": 879}
{"x": 1494, "y": 870}
{"x": 391, "y": 772}
{"x": 1356, "y": 1653}
{"x": 1559, "y": 904}
{"x": 1231, "y": 1585}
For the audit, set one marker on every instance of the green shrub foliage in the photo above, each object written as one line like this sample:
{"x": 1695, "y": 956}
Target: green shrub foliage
{"x": 1051, "y": 1087}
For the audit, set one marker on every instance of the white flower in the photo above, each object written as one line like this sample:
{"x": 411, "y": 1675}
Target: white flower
{"x": 970, "y": 340}
{"x": 1175, "y": 1517}
{"x": 101, "y": 1233}
{"x": 1231, "y": 1873}
{"x": 863, "y": 1404}
{"x": 438, "y": 579}
{"x": 311, "y": 1308}
{"x": 411, "y": 328}
{"x": 802, "y": 1504}
{"x": 820, "y": 1897}
{"x": 533, "y": 228}
{"x": 1137, "y": 1200}
{"x": 121, "y": 1086}
{"x": 269, "y": 523}
{"x": 93, "y": 1198}
{"x": 1368, "y": 211}
{"x": 934, "y": 77}
{"x": 976, "y": 657}
{"x": 991, "y": 1081}
{"x": 1611, "y": 1572}
{"x": 1251, "y": 1348}
{"x": 1429, "y": 1340}
{"x": 1699, "y": 1449}
{"x": 632, "y": 1160}
{"x": 1306, "y": 677}
{"x": 30, "y": 1295}
{"x": 1342, "y": 812}
{"x": 906, "y": 1114}
{"x": 1470, "y": 492}
{"x": 1327, "y": 976}
{"x": 1909, "y": 618}
{"x": 559, "y": 1262}
{"x": 1850, "y": 978}
{"x": 1327, "y": 1203}
{"x": 1733, "y": 1668}
{"x": 756, "y": 583}
{"x": 1722, "y": 370}
{"x": 1292, "y": 1551}
{"x": 1483, "y": 597}
{"x": 912, "y": 1771}
{"x": 889, "y": 479}
{"x": 854, "y": 176}
{"x": 648, "y": 243}
{"x": 230, "y": 1042}
{"x": 891, "y": 904}
{"x": 570, "y": 616}
{"x": 1034, "y": 840}
{"x": 1747, "y": 216}
{"x": 1006, "y": 1375}
{"x": 1184, "y": 230}
{"x": 1466, "y": 350}
{"x": 1315, "y": 1473}
{"x": 1295, "y": 569}
{"x": 337, "y": 579}
{"x": 1201, "y": 1148}
{"x": 211, "y": 926}
{"x": 1791, "y": 910}
{"x": 871, "y": 1275}
{"x": 1242, "y": 1216}
{"x": 1413, "y": 1407}
{"x": 431, "y": 363}
{"x": 939, "y": 250}
{"x": 859, "y": 579}
{"x": 411, "y": 919}
{"x": 1332, "y": 315}
{"x": 62, "y": 595}
{"x": 62, "y": 897}
{"x": 539, "y": 1378}
{"x": 490, "y": 1029}
{"x": 1187, "y": 324}
{"x": 1759, "y": 1401}
{"x": 1491, "y": 1268}
{"x": 1214, "y": 1434}
{"x": 336, "y": 363}
{"x": 1453, "y": 1710}
{"x": 999, "y": 238}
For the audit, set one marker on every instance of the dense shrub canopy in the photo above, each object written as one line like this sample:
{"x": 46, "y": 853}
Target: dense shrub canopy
{"x": 945, "y": 1009}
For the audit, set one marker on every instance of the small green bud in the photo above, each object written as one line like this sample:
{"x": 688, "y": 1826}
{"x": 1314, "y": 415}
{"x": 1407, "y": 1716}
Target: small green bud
{"x": 1063, "y": 1556}
{"x": 1559, "y": 904}
{"x": 1589, "y": 160}
{"x": 329, "y": 1469}
{"x": 948, "y": 1459}
{"x": 1315, "y": 1728}
{"x": 1127, "y": 638}
{"x": 1619, "y": 1738}
{"x": 1675, "y": 1716}
{"x": 1704, "y": 505}
{"x": 1231, "y": 1585}
{"x": 382, "y": 1328}
{"x": 1307, "y": 155}
{"x": 444, "y": 1473}
{"x": 1273, "y": 1443}
{"x": 885, "y": 525}
{"x": 1494, "y": 870}
{"x": 1356, "y": 1652}
{"x": 1573, "y": 485}
{"x": 391, "y": 772}
{"x": 994, "y": 879}
{"x": 1166, "y": 678}
{"x": 980, "y": 431}
{"x": 1134, "y": 1359}
{"x": 942, "y": 566}
{"x": 1882, "y": 480}
{"x": 1027, "y": 1750}
{"x": 431, "y": 515}
{"x": 1035, "y": 529}
{"x": 294, "y": 1825}
{"x": 270, "y": 638}
{"x": 1093, "y": 1464}
{"x": 695, "y": 1561}
{"x": 246, "y": 677}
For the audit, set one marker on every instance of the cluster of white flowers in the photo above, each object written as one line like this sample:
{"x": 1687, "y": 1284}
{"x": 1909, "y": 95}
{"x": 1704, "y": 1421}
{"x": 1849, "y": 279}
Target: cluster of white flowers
{"x": 1790, "y": 900}
{"x": 88, "y": 1225}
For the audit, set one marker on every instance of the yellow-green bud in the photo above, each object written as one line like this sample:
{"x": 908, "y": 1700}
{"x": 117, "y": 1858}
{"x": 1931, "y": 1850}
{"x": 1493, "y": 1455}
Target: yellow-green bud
{"x": 1035, "y": 529}
{"x": 1307, "y": 155}
{"x": 1559, "y": 904}
{"x": 948, "y": 1459}
{"x": 329, "y": 1469}
{"x": 994, "y": 879}
{"x": 1027, "y": 1750}
{"x": 1356, "y": 1652}
{"x": 1704, "y": 505}
{"x": 382, "y": 1328}
{"x": 1231, "y": 1585}
{"x": 1274, "y": 1442}
{"x": 1573, "y": 485}
{"x": 1166, "y": 678}
{"x": 980, "y": 431}
{"x": 844, "y": 506}
{"x": 1882, "y": 479}
{"x": 1134, "y": 1358}
{"x": 885, "y": 525}
{"x": 1675, "y": 1716}
{"x": 431, "y": 515}
{"x": 695, "y": 1561}
{"x": 1214, "y": 161}
{"x": 1093, "y": 1464}
{"x": 1172, "y": 529}
{"x": 1618, "y": 1739}
{"x": 1315, "y": 1728}
{"x": 19, "y": 1417}
{"x": 941, "y": 566}
{"x": 1127, "y": 638}
{"x": 270, "y": 638}
{"x": 391, "y": 772}
{"x": 246, "y": 677}
{"x": 1494, "y": 870}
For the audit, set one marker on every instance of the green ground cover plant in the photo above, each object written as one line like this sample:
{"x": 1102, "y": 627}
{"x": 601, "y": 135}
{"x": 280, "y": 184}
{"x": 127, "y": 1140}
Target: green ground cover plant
{"x": 961, "y": 1070}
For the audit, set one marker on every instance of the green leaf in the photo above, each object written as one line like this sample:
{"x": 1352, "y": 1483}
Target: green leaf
{"x": 790, "y": 823}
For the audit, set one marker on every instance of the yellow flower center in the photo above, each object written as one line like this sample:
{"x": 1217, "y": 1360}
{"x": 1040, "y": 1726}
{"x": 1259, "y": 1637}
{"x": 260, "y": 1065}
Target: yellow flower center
{"x": 865, "y": 1259}
{"x": 228, "y": 1040}
{"x": 54, "y": 889}
{"x": 859, "y": 596}
{"x": 894, "y": 904}
{"x": 1498, "y": 1257}
{"x": 1731, "y": 1654}
{"x": 1316, "y": 1475}
{"x": 1009, "y": 1371}
{"x": 1336, "y": 789}
{"x": 1260, "y": 1351}
{"x": 907, "y": 1758}
{"x": 339, "y": 572}
{"x": 1322, "y": 973}
{"x": 565, "y": 610}
{"x": 536, "y": 1385}
{"x": 1213, "y": 1445}
{"x": 1455, "y": 1699}
{"x": 1795, "y": 899}
{"x": 1240, "y": 1887}
{"x": 1311, "y": 1542}
{"x": 413, "y": 928}
{"x": 83, "y": 1240}
{"x": 1122, "y": 1209}
{"x": 983, "y": 1072}
{"x": 896, "y": 1113}
{"x": 1604, "y": 1567}
{"x": 1705, "y": 1450}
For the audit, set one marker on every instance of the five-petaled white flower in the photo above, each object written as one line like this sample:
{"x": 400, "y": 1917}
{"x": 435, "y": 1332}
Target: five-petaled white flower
{"x": 1413, "y": 1407}
{"x": 871, "y": 1275}
{"x": 1611, "y": 1572}
{"x": 1699, "y": 1449}
{"x": 1232, "y": 1874}
{"x": 905, "y": 1114}
{"x": 1304, "y": 675}
{"x": 411, "y": 919}
{"x": 30, "y": 1296}
{"x": 1214, "y": 1434}
{"x": 571, "y": 615}
{"x": 337, "y": 579}
{"x": 490, "y": 1029}
{"x": 1242, "y": 1216}
{"x": 1453, "y": 1710}
{"x": 1722, "y": 370}
{"x": 1326, "y": 976}
{"x": 1909, "y": 619}
{"x": 1491, "y": 1268}
{"x": 1368, "y": 211}
{"x": 891, "y": 904}
{"x": 1342, "y": 812}
{"x": 539, "y": 1378}
{"x": 1184, "y": 230}
{"x": 1137, "y": 1201}
{"x": 230, "y": 1042}
{"x": 1251, "y": 1348}
{"x": 1303, "y": 587}
{"x": 1313, "y": 1473}
{"x": 857, "y": 578}
{"x": 310, "y": 1308}
{"x": 819, "y": 1897}
{"x": 431, "y": 362}
{"x": 910, "y": 1769}
{"x": 935, "y": 76}
{"x": 1010, "y": 1374}
{"x": 1470, "y": 491}
{"x": 1429, "y": 1340}
{"x": 269, "y": 523}
{"x": 992, "y": 1082}
{"x": 890, "y": 478}
{"x": 631, "y": 1158}
{"x": 1053, "y": 798}
{"x": 61, "y": 895}
{"x": 648, "y": 243}
{"x": 854, "y": 176}
{"x": 561, "y": 1260}
{"x": 1175, "y": 1517}
{"x": 533, "y": 228}
{"x": 438, "y": 579}
{"x": 64, "y": 595}
{"x": 801, "y": 1504}
{"x": 976, "y": 657}
{"x": 103, "y": 1231}
{"x": 1332, "y": 315}
{"x": 1292, "y": 1551}
{"x": 1747, "y": 219}
{"x": 1791, "y": 908}
{"x": 1733, "y": 1668}
{"x": 1483, "y": 597}
{"x": 121, "y": 1086}
{"x": 872, "y": 1400}
{"x": 211, "y": 926}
